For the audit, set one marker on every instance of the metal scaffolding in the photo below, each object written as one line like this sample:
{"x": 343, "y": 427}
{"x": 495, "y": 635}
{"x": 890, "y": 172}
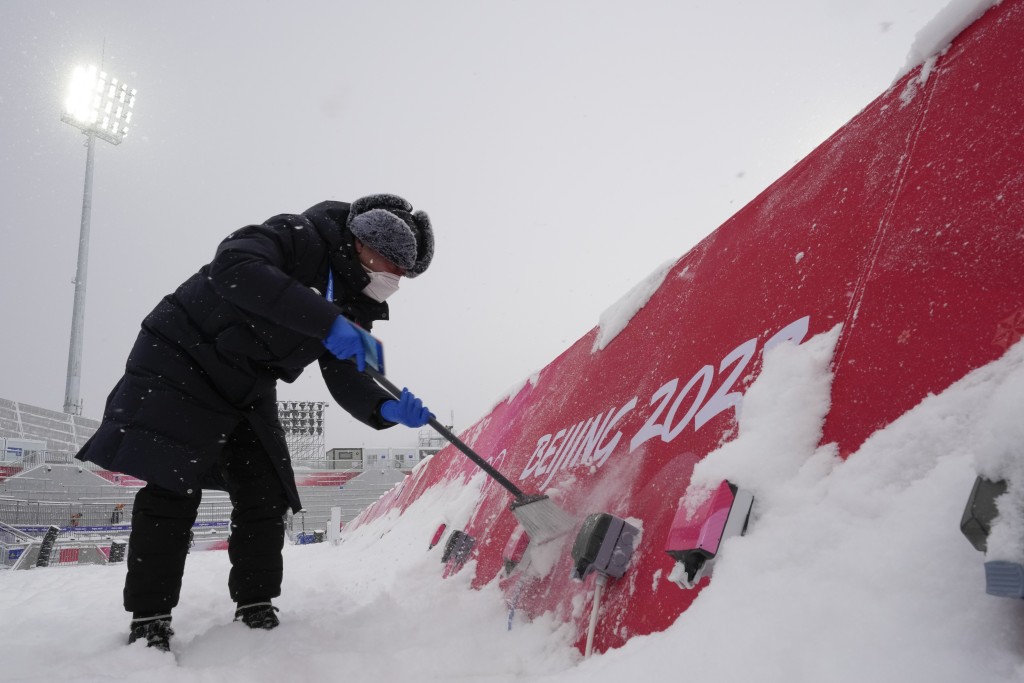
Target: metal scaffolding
{"x": 303, "y": 423}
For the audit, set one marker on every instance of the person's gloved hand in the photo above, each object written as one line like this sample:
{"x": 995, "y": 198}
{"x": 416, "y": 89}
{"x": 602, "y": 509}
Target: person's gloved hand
{"x": 345, "y": 342}
{"x": 407, "y": 410}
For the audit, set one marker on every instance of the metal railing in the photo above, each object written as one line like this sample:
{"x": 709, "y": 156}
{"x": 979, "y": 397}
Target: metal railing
{"x": 100, "y": 516}
{"x": 65, "y": 552}
{"x": 33, "y": 458}
{"x": 70, "y": 546}
{"x": 85, "y": 545}
{"x": 88, "y": 515}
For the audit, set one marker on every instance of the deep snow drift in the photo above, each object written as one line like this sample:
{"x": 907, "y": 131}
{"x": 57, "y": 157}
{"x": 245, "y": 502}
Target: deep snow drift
{"x": 851, "y": 571}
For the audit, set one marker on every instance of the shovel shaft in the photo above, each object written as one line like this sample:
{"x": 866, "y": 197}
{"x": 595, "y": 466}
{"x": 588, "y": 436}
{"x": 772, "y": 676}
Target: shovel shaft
{"x": 454, "y": 440}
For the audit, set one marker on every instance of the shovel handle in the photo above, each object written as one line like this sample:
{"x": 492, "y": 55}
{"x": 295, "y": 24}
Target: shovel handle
{"x": 454, "y": 440}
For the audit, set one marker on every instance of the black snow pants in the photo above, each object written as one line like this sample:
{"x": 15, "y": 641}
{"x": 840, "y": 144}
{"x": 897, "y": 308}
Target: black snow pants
{"x": 162, "y": 523}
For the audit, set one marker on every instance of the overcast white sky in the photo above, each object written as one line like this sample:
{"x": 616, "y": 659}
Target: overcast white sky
{"x": 564, "y": 150}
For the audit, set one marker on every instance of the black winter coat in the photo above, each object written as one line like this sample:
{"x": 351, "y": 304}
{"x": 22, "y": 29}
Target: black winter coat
{"x": 210, "y": 354}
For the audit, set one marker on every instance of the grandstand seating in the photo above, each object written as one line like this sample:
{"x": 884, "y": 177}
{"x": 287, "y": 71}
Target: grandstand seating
{"x": 55, "y": 494}
{"x": 83, "y": 501}
{"x": 121, "y": 479}
{"x": 7, "y": 471}
{"x": 61, "y": 431}
{"x": 50, "y": 487}
{"x": 333, "y": 478}
{"x": 358, "y": 492}
{"x": 92, "y": 507}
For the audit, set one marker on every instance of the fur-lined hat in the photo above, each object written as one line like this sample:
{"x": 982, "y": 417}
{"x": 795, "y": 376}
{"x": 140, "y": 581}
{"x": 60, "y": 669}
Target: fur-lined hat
{"x": 386, "y": 223}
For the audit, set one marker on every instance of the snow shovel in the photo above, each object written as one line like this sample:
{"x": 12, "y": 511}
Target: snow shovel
{"x": 542, "y": 519}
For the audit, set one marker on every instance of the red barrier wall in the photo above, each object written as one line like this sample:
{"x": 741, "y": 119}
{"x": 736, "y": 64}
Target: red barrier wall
{"x": 906, "y": 226}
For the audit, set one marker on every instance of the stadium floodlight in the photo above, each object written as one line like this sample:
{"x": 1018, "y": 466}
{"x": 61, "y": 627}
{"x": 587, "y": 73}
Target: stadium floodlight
{"x": 101, "y": 107}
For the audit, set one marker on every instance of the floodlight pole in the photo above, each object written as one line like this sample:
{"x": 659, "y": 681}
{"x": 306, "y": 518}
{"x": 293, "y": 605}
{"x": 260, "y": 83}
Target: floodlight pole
{"x": 72, "y": 390}
{"x": 100, "y": 108}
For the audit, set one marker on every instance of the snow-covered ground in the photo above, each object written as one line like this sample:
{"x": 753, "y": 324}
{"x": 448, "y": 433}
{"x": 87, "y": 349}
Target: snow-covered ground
{"x": 852, "y": 571}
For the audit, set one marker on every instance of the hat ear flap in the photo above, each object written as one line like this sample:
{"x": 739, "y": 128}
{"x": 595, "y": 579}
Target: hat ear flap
{"x": 424, "y": 244}
{"x": 377, "y": 201}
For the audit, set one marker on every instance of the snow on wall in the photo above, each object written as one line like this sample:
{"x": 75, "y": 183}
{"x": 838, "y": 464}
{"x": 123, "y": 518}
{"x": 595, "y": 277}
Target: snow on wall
{"x": 936, "y": 36}
{"x": 893, "y": 254}
{"x": 616, "y": 317}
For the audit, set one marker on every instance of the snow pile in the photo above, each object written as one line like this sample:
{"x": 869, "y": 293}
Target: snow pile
{"x": 514, "y": 390}
{"x": 937, "y": 34}
{"x": 780, "y": 426}
{"x": 999, "y": 455}
{"x": 617, "y": 316}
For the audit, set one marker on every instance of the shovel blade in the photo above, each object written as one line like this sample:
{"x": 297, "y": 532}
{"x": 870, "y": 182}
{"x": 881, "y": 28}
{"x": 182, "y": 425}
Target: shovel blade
{"x": 541, "y": 518}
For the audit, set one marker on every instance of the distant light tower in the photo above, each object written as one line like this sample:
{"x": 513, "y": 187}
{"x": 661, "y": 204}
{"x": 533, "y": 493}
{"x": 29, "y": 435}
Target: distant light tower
{"x": 303, "y": 423}
{"x": 101, "y": 108}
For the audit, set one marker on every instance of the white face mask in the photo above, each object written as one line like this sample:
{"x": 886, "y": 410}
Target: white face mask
{"x": 382, "y": 285}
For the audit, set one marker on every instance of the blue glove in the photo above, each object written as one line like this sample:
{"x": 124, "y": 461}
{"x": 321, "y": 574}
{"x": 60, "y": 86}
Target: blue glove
{"x": 407, "y": 410}
{"x": 344, "y": 342}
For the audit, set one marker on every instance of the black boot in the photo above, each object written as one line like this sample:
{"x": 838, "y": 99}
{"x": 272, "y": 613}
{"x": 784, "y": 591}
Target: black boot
{"x": 156, "y": 631}
{"x": 258, "y": 615}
